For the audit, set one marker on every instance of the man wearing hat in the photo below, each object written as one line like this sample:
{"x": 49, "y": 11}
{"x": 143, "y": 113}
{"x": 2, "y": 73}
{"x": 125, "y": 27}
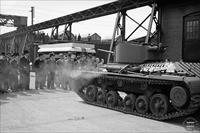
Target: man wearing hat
{"x": 3, "y": 74}
{"x": 51, "y": 74}
{"x": 14, "y": 71}
{"x": 59, "y": 71}
{"x": 24, "y": 70}
{"x": 39, "y": 69}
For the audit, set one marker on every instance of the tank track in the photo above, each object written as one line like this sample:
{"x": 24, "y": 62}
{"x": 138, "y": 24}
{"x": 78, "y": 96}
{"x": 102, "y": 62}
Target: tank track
{"x": 194, "y": 104}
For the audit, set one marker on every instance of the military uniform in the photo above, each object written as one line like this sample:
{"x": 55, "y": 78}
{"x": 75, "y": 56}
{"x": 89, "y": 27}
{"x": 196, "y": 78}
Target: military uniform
{"x": 24, "y": 72}
{"x": 59, "y": 75}
{"x": 3, "y": 73}
{"x": 51, "y": 73}
{"x": 40, "y": 75}
{"x": 69, "y": 67}
{"x": 14, "y": 74}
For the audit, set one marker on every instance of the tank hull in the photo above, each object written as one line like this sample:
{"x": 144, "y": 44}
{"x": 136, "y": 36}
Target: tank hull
{"x": 104, "y": 89}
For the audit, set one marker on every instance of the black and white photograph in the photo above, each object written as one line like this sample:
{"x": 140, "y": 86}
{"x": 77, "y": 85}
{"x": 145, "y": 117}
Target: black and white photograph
{"x": 126, "y": 66}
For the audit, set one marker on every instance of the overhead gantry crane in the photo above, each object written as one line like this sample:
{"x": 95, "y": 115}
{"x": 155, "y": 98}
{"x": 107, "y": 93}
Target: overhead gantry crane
{"x": 23, "y": 35}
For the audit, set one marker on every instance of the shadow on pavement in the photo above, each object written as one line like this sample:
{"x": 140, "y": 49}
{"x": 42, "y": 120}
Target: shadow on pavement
{"x": 23, "y": 93}
{"x": 82, "y": 102}
{"x": 5, "y": 96}
{"x": 63, "y": 90}
{"x": 48, "y": 90}
{"x": 33, "y": 92}
{"x": 3, "y": 102}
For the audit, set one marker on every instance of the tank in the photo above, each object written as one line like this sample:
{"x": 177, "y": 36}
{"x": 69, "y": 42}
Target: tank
{"x": 139, "y": 83}
{"x": 156, "y": 78}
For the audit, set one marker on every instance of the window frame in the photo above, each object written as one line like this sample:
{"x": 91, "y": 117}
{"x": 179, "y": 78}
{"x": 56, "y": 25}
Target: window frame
{"x": 191, "y": 27}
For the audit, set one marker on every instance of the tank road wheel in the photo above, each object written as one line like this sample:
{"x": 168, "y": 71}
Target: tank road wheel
{"x": 159, "y": 104}
{"x": 91, "y": 93}
{"x": 129, "y": 102}
{"x": 179, "y": 96}
{"x": 112, "y": 98}
{"x": 101, "y": 97}
{"x": 142, "y": 104}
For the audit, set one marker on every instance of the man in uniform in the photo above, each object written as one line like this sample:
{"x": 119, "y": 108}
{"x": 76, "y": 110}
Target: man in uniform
{"x": 14, "y": 72}
{"x": 39, "y": 67}
{"x": 3, "y": 74}
{"x": 51, "y": 74}
{"x": 60, "y": 70}
{"x": 24, "y": 70}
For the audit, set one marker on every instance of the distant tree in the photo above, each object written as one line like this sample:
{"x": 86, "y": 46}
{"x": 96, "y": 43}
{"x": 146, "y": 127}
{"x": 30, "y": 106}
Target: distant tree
{"x": 79, "y": 37}
{"x": 89, "y": 38}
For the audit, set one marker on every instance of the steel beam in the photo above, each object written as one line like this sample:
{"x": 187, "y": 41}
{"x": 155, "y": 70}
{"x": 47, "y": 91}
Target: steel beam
{"x": 24, "y": 43}
{"x": 138, "y": 26}
{"x": 137, "y": 22}
{"x": 123, "y": 28}
{"x": 54, "y": 33}
{"x": 150, "y": 22}
{"x": 12, "y": 48}
{"x": 114, "y": 34}
{"x": 67, "y": 31}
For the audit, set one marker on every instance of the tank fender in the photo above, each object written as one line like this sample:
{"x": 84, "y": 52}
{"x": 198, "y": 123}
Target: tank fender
{"x": 193, "y": 83}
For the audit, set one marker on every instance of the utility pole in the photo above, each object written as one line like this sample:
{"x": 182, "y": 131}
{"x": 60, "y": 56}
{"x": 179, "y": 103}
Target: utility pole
{"x": 32, "y": 14}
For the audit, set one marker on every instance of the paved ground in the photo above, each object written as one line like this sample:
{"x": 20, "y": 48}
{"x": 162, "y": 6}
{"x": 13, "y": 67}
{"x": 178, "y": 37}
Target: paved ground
{"x": 64, "y": 111}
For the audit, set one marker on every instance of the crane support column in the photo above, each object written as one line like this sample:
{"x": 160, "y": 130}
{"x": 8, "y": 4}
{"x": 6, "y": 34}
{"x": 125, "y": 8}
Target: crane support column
{"x": 150, "y": 23}
{"x": 23, "y": 44}
{"x": 114, "y": 33}
{"x": 54, "y": 32}
{"x": 123, "y": 28}
{"x": 70, "y": 31}
{"x": 67, "y": 32}
{"x": 12, "y": 48}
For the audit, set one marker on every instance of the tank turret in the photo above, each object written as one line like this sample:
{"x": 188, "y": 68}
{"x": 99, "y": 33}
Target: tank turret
{"x": 136, "y": 53}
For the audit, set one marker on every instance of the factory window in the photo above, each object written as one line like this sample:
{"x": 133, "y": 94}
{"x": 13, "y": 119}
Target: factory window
{"x": 192, "y": 29}
{"x": 191, "y": 38}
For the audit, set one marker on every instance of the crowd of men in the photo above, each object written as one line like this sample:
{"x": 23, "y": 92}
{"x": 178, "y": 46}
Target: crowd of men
{"x": 52, "y": 70}
{"x": 14, "y": 71}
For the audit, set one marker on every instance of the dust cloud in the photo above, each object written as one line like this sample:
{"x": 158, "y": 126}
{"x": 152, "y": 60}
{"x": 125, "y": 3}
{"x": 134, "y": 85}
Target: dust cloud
{"x": 73, "y": 73}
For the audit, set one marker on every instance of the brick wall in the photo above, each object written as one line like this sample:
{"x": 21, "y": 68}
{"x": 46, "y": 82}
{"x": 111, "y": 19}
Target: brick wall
{"x": 172, "y": 27}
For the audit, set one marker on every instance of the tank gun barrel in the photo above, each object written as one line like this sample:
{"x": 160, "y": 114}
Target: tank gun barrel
{"x": 107, "y": 51}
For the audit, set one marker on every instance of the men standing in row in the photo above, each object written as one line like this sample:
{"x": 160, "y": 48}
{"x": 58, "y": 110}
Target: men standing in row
{"x": 9, "y": 72}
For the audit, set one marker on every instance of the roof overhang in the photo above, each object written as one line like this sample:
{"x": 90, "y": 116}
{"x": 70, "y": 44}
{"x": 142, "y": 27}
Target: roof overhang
{"x": 67, "y": 47}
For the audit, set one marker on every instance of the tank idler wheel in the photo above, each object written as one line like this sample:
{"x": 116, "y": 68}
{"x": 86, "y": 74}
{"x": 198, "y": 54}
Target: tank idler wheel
{"x": 142, "y": 104}
{"x": 101, "y": 97}
{"x": 91, "y": 93}
{"x": 179, "y": 96}
{"x": 159, "y": 104}
{"x": 129, "y": 102}
{"x": 112, "y": 98}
